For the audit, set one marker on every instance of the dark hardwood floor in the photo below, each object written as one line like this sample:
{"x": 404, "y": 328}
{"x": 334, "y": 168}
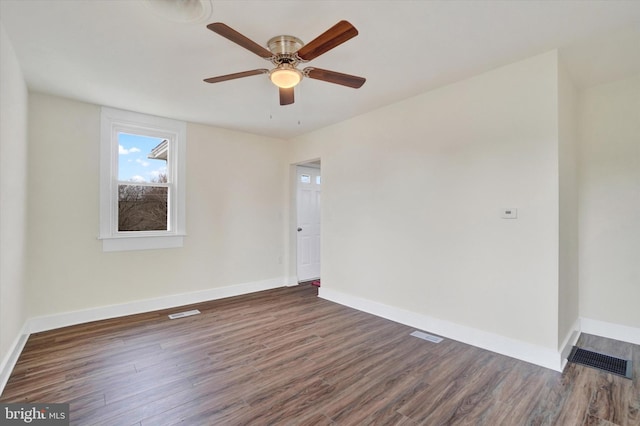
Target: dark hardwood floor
{"x": 285, "y": 356}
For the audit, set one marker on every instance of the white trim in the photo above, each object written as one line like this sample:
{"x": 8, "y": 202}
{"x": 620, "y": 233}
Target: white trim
{"x": 142, "y": 243}
{"x": 11, "y": 358}
{"x": 291, "y": 281}
{"x": 65, "y": 319}
{"x": 50, "y": 322}
{"x": 518, "y": 349}
{"x": 610, "y": 330}
{"x": 114, "y": 121}
{"x": 569, "y": 342}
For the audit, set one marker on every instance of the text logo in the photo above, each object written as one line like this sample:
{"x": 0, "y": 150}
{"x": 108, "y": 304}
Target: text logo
{"x": 34, "y": 414}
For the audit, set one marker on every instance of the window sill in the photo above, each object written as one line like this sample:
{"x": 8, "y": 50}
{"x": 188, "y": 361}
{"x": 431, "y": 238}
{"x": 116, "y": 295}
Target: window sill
{"x": 124, "y": 243}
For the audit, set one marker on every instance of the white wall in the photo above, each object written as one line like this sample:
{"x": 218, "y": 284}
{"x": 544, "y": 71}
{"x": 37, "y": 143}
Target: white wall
{"x": 236, "y": 203}
{"x": 609, "y": 170}
{"x": 412, "y": 194}
{"x": 13, "y": 197}
{"x": 568, "y": 286}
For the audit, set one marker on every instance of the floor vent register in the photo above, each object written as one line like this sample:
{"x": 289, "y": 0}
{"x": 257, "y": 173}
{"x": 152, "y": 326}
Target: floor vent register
{"x": 613, "y": 365}
{"x": 184, "y": 314}
{"x": 427, "y": 337}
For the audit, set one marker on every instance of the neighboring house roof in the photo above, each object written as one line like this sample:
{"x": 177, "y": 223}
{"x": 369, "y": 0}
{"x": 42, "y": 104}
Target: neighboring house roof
{"x": 160, "y": 151}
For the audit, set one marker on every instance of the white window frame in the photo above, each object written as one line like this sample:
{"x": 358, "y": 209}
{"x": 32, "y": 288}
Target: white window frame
{"x": 113, "y": 122}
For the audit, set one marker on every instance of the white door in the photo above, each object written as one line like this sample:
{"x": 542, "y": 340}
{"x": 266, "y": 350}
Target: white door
{"x": 308, "y": 200}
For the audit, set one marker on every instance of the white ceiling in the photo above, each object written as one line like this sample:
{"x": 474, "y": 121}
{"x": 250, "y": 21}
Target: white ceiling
{"x": 122, "y": 54}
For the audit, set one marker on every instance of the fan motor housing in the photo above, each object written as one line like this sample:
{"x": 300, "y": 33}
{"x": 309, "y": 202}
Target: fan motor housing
{"x": 284, "y": 45}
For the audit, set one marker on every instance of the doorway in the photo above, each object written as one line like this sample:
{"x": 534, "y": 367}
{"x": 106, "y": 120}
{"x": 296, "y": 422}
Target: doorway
{"x": 308, "y": 191}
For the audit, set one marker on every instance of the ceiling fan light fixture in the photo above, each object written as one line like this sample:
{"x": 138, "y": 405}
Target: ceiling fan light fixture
{"x": 285, "y": 76}
{"x": 285, "y": 53}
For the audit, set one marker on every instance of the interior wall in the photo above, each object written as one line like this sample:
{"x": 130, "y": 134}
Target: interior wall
{"x": 13, "y": 198}
{"x": 236, "y": 201}
{"x": 609, "y": 197}
{"x": 412, "y": 200}
{"x": 568, "y": 286}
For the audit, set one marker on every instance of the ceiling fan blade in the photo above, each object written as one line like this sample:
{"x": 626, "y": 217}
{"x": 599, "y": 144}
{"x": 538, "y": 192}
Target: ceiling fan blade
{"x": 334, "y": 77}
{"x": 234, "y": 36}
{"x": 334, "y": 36}
{"x": 236, "y": 75}
{"x": 286, "y": 96}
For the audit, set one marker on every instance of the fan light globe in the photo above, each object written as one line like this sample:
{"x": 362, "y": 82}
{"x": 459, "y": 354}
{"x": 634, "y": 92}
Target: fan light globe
{"x": 285, "y": 76}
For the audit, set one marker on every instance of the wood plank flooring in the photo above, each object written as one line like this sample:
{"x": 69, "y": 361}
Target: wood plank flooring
{"x": 285, "y": 356}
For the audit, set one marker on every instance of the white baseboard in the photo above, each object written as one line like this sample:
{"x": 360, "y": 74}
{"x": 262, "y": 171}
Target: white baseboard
{"x": 524, "y": 351}
{"x": 610, "y": 330}
{"x": 291, "y": 281}
{"x": 569, "y": 342}
{"x": 496, "y": 343}
{"x": 64, "y": 319}
{"x": 10, "y": 359}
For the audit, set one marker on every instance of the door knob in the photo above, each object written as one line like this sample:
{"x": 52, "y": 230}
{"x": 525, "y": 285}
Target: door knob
{"x": 299, "y": 229}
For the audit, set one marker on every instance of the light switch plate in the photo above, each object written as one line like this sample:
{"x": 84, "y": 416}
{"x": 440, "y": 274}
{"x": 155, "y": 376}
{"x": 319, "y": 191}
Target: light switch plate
{"x": 509, "y": 213}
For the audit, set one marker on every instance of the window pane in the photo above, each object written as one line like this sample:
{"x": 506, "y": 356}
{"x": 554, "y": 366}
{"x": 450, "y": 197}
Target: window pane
{"x": 142, "y": 158}
{"x": 142, "y": 208}
{"x": 318, "y": 180}
{"x": 305, "y": 179}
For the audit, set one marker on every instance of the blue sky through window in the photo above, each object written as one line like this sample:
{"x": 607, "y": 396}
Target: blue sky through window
{"x": 133, "y": 164}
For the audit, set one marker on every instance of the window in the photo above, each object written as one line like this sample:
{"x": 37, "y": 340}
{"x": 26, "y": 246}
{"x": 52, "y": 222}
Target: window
{"x": 142, "y": 185}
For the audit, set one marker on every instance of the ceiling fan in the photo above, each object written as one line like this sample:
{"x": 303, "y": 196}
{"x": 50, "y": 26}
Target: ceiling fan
{"x": 286, "y": 52}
